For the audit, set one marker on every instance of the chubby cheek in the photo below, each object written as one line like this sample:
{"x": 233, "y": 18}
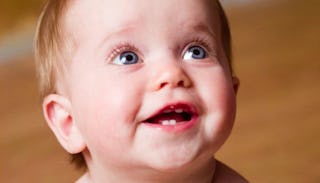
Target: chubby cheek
{"x": 105, "y": 109}
{"x": 218, "y": 97}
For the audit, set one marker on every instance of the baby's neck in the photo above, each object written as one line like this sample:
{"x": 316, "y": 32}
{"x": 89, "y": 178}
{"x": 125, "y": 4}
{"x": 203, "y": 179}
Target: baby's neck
{"x": 204, "y": 174}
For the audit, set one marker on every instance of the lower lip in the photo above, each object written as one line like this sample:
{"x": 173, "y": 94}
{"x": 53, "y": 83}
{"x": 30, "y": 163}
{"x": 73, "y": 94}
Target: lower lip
{"x": 179, "y": 127}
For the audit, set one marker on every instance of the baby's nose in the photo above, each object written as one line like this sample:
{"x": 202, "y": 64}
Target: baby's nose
{"x": 170, "y": 75}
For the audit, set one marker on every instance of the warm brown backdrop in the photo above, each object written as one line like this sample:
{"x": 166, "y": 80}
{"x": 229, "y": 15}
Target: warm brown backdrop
{"x": 277, "y": 133}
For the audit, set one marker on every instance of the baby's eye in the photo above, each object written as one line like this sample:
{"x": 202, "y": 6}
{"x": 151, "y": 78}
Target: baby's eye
{"x": 126, "y": 58}
{"x": 195, "y": 52}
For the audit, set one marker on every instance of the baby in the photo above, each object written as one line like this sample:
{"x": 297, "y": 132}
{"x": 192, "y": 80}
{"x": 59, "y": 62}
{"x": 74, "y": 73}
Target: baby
{"x": 139, "y": 91}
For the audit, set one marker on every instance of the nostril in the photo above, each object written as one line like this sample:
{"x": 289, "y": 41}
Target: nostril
{"x": 180, "y": 83}
{"x": 163, "y": 85}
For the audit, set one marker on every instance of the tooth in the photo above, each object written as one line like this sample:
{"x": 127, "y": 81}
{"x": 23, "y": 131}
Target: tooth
{"x": 179, "y": 110}
{"x": 173, "y": 122}
{"x": 167, "y": 111}
{"x": 165, "y": 122}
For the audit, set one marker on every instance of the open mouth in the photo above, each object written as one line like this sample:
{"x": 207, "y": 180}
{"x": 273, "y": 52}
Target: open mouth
{"x": 173, "y": 115}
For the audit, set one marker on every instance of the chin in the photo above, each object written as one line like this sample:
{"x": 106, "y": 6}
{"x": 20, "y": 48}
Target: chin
{"x": 175, "y": 159}
{"x": 171, "y": 166}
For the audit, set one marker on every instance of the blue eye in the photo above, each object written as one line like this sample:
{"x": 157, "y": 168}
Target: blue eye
{"x": 195, "y": 52}
{"x": 126, "y": 58}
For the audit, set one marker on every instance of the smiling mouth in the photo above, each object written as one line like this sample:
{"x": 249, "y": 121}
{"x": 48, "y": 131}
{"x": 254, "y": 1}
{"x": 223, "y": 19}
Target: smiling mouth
{"x": 172, "y": 115}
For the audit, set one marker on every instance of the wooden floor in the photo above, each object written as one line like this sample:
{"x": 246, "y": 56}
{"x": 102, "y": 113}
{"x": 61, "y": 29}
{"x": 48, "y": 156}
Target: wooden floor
{"x": 277, "y": 133}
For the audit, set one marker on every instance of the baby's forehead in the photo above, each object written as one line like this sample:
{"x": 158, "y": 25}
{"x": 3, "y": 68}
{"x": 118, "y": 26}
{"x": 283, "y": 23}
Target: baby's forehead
{"x": 81, "y": 15}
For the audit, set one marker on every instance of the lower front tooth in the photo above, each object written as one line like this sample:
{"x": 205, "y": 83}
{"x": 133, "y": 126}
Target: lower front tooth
{"x": 173, "y": 122}
{"x": 165, "y": 122}
{"x": 169, "y": 122}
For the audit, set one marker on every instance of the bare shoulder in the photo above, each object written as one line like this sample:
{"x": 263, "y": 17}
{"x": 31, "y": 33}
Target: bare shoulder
{"x": 225, "y": 174}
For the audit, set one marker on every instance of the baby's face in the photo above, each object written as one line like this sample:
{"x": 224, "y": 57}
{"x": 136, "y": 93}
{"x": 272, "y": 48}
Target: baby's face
{"x": 148, "y": 83}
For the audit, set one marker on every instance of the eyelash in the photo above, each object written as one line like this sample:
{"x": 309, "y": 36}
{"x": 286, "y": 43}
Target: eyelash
{"x": 203, "y": 43}
{"x": 127, "y": 46}
{"x": 120, "y": 48}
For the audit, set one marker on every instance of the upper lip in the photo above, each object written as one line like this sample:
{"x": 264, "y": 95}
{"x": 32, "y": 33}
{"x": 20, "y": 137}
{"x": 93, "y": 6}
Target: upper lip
{"x": 175, "y": 107}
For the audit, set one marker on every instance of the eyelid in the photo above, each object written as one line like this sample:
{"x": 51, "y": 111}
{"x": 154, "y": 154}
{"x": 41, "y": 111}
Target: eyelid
{"x": 121, "y": 48}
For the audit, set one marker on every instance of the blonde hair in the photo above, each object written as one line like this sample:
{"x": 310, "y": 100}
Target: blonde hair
{"x": 50, "y": 45}
{"x": 52, "y": 49}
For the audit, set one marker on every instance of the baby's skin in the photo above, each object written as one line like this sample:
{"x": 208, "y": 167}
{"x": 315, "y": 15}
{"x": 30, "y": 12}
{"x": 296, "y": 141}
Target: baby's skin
{"x": 148, "y": 95}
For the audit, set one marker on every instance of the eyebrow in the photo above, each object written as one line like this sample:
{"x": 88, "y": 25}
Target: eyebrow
{"x": 201, "y": 27}
{"x": 198, "y": 27}
{"x": 123, "y": 30}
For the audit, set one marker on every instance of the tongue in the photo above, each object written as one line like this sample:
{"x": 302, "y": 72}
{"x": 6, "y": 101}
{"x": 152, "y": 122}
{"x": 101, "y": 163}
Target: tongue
{"x": 169, "y": 116}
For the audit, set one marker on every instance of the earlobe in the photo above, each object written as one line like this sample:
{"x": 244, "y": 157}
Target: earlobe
{"x": 58, "y": 114}
{"x": 236, "y": 84}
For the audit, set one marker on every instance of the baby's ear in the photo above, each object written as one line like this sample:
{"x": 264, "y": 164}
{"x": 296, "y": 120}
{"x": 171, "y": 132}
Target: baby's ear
{"x": 235, "y": 83}
{"x": 58, "y": 114}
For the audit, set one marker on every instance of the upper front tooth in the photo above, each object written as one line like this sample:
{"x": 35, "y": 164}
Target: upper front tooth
{"x": 179, "y": 110}
{"x": 167, "y": 111}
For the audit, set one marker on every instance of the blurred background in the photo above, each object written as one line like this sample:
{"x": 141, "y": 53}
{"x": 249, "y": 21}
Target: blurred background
{"x": 276, "y": 137}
